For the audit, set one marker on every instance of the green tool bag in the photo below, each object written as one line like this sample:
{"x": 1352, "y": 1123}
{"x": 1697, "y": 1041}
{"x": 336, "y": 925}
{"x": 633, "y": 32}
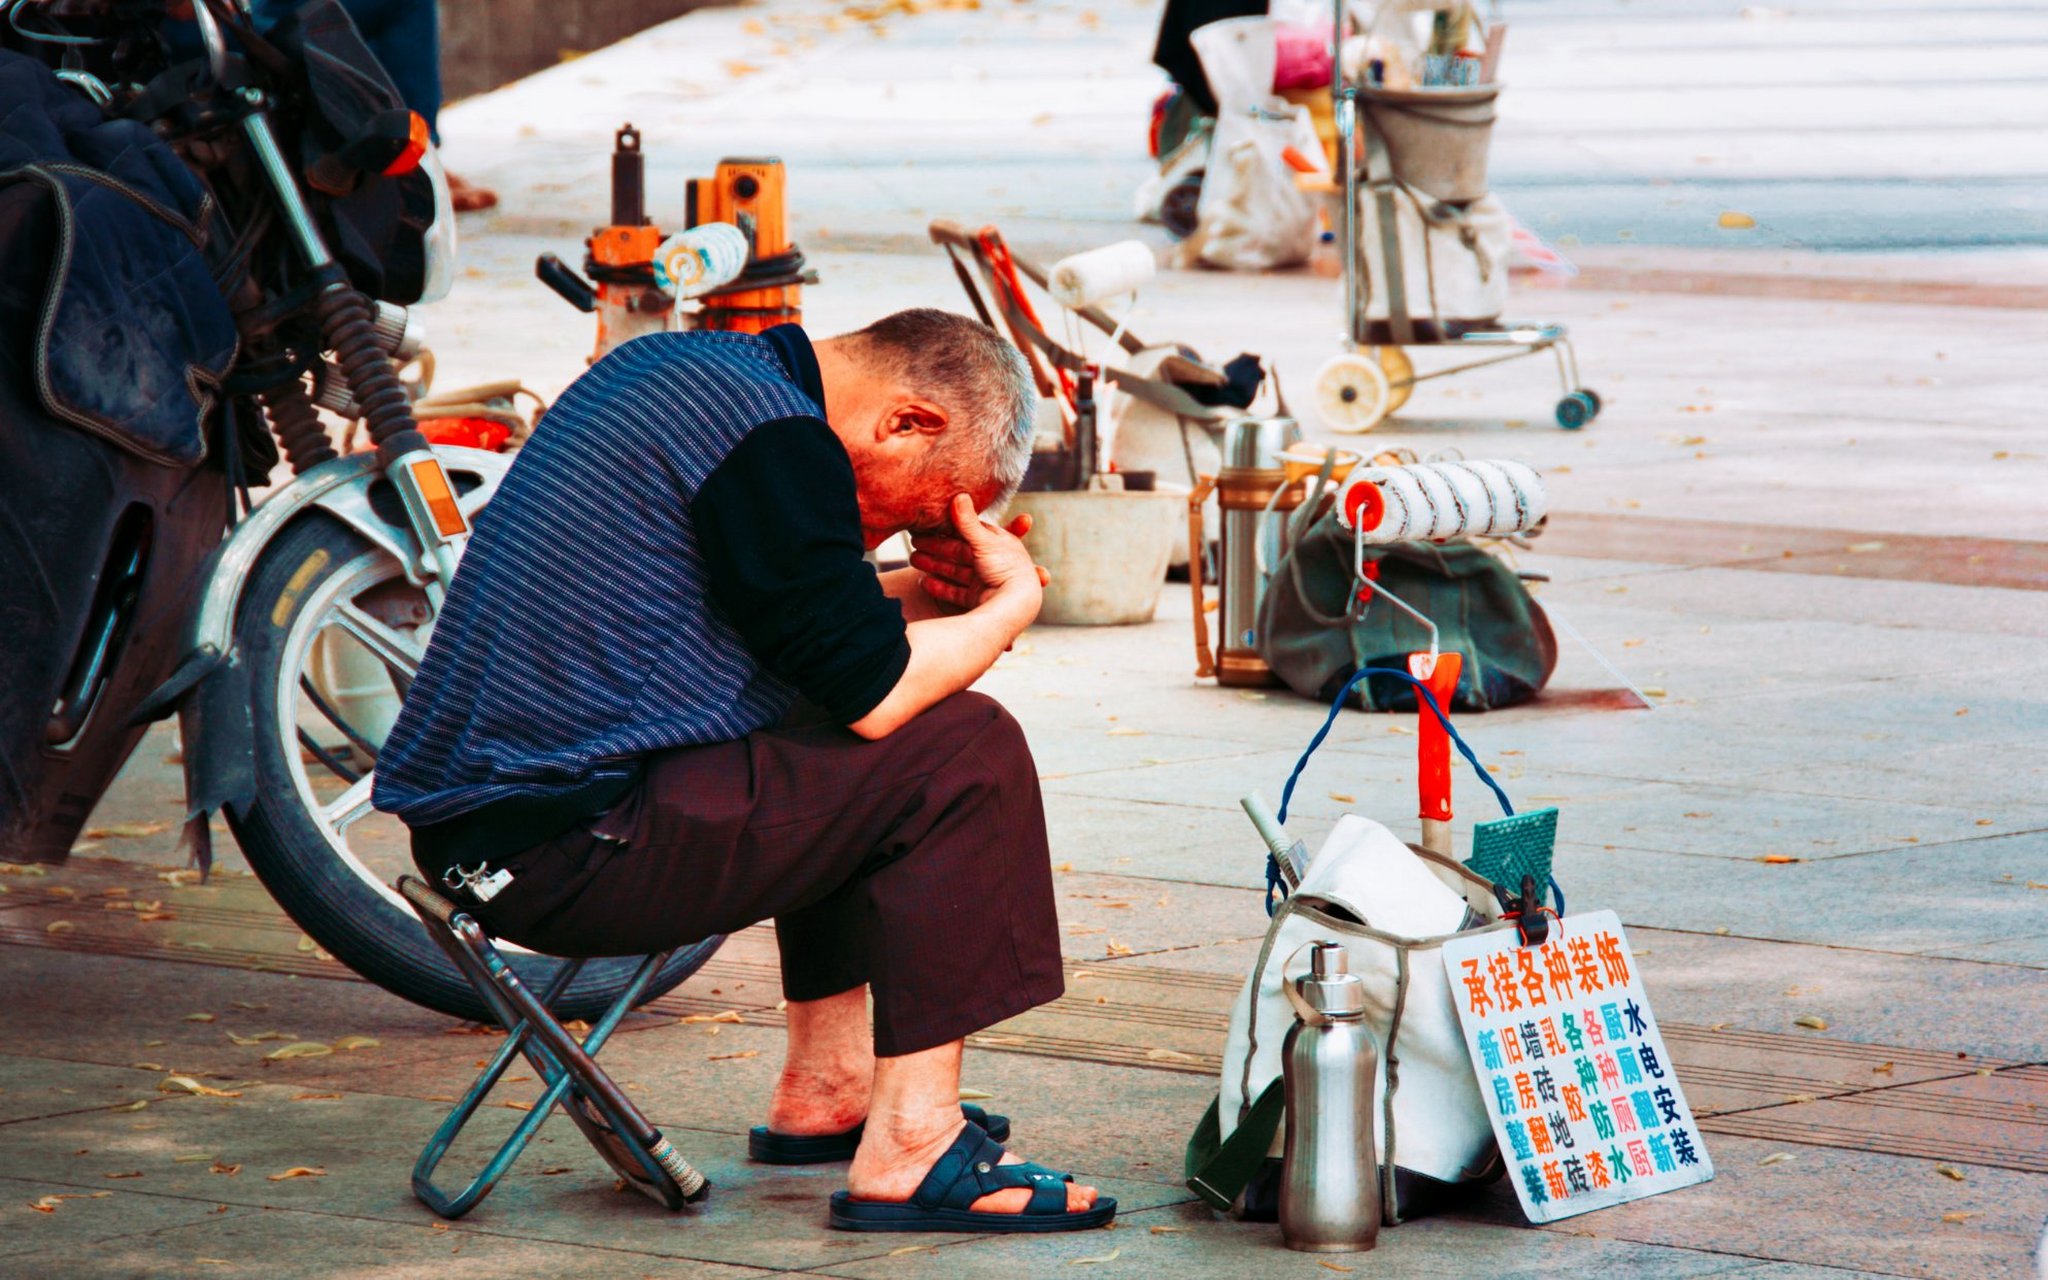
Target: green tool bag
{"x": 1315, "y": 634}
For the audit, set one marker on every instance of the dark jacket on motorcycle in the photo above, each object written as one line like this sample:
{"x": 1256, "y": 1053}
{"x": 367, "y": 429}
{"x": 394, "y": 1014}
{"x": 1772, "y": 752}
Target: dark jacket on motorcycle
{"x": 675, "y": 556}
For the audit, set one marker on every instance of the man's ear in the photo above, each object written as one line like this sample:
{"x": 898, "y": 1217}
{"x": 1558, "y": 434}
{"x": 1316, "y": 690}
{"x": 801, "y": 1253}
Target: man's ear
{"x": 914, "y": 418}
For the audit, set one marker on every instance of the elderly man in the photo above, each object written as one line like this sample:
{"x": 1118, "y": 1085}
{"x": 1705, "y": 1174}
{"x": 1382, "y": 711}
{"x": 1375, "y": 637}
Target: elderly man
{"x": 668, "y": 696}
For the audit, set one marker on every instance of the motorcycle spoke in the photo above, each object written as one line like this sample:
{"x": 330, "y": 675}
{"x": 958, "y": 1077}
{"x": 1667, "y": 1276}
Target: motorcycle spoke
{"x": 387, "y": 644}
{"x": 334, "y": 763}
{"x": 343, "y": 811}
{"x": 333, "y": 717}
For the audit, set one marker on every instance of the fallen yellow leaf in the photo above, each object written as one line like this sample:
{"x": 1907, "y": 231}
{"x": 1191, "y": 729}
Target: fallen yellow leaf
{"x": 1116, "y": 948}
{"x": 136, "y": 1173}
{"x": 261, "y": 1036}
{"x": 1111, "y": 1256}
{"x": 173, "y": 1084}
{"x": 1950, "y": 1172}
{"x": 1777, "y": 1157}
{"x": 296, "y": 1171}
{"x": 723, "y": 1015}
{"x": 298, "y": 1049}
{"x": 225, "y": 1169}
{"x": 59, "y": 926}
{"x": 730, "y": 1057}
{"x": 127, "y": 830}
{"x": 199, "y": 1017}
{"x": 974, "y": 1095}
{"x": 1731, "y": 220}
{"x": 1960, "y": 1216}
{"x": 349, "y": 1043}
{"x": 1342, "y": 798}
{"x": 1810, "y": 1021}
{"x": 316, "y": 1097}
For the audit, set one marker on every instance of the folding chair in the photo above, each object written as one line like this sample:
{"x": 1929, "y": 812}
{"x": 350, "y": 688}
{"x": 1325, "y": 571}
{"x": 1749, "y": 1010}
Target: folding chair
{"x": 622, "y": 1135}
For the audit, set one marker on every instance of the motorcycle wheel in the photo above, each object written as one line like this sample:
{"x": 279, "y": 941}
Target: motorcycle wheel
{"x": 326, "y": 856}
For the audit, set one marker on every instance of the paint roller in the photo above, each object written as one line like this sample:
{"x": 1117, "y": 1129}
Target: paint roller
{"x": 1487, "y": 498}
{"x": 1111, "y": 271}
{"x": 701, "y": 260}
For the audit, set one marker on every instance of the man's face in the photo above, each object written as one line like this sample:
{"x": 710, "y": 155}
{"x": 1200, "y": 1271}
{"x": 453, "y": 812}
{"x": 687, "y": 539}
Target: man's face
{"x": 900, "y": 491}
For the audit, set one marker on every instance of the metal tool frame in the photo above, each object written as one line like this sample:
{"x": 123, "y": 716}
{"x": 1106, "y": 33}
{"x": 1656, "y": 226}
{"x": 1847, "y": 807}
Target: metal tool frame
{"x": 1526, "y": 339}
{"x": 568, "y": 1068}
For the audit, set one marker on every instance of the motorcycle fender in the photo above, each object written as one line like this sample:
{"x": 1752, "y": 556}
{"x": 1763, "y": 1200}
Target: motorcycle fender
{"x": 214, "y": 717}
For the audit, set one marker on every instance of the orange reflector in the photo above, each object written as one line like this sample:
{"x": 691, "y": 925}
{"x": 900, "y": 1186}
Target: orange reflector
{"x": 440, "y": 499}
{"x": 416, "y": 144}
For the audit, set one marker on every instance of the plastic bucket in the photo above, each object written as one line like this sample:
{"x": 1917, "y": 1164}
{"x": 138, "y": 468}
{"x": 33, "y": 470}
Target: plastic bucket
{"x": 1437, "y": 138}
{"x": 1106, "y": 552}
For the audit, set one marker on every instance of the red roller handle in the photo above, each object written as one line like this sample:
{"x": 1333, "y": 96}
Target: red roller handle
{"x": 1433, "y": 745}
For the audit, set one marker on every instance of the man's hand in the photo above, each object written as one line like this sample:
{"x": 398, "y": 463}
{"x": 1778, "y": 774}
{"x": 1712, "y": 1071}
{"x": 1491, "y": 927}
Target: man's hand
{"x": 964, "y": 566}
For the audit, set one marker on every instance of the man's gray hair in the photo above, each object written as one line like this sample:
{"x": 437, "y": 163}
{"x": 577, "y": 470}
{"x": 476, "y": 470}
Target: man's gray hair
{"x": 977, "y": 376}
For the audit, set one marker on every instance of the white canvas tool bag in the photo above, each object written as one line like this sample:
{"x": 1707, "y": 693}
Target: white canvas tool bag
{"x": 1392, "y": 906}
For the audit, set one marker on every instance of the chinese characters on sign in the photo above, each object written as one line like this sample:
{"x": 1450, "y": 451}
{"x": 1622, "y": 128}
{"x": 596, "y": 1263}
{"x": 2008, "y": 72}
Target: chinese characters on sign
{"x": 1585, "y": 1104}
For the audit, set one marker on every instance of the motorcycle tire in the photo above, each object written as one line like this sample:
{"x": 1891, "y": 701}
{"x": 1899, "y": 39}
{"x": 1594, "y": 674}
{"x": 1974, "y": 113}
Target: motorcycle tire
{"x": 332, "y": 895}
{"x": 102, "y": 551}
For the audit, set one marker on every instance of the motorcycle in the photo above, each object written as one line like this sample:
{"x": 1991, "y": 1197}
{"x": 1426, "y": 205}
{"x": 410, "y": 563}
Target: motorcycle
{"x": 281, "y": 632}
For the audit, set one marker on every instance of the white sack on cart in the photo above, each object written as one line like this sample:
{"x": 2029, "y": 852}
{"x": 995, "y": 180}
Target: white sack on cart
{"x": 1454, "y": 261}
{"x": 1252, "y": 215}
{"x": 1141, "y": 436}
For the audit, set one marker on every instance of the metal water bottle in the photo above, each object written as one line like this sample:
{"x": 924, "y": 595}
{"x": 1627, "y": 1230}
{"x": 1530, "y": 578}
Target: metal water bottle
{"x": 1330, "y": 1177}
{"x": 1245, "y": 494}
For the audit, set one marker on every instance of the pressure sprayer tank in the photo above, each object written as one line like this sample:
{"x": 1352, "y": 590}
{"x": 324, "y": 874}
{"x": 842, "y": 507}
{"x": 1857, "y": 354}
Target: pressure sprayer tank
{"x": 1248, "y": 481}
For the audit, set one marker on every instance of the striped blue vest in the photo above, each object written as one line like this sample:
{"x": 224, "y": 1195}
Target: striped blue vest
{"x": 577, "y": 634}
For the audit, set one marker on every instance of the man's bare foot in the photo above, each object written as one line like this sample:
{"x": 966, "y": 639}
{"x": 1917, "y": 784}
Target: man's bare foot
{"x": 467, "y": 197}
{"x": 829, "y": 1072}
{"x": 809, "y": 1103}
{"x": 897, "y": 1152}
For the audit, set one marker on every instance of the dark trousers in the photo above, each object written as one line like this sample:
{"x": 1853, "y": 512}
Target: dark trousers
{"x": 916, "y": 864}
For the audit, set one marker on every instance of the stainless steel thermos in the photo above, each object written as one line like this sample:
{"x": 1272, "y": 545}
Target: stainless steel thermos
{"x": 1330, "y": 1177}
{"x": 1246, "y": 494}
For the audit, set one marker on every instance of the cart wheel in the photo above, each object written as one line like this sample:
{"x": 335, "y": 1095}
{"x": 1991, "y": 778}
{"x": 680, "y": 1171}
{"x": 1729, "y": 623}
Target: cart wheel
{"x": 1352, "y": 393}
{"x": 1400, "y": 371}
{"x": 1177, "y": 209}
{"x": 1576, "y": 410}
{"x": 1593, "y": 398}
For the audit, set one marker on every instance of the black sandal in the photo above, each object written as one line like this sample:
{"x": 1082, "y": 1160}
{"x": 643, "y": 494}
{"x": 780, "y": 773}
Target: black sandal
{"x": 765, "y": 1146}
{"x": 972, "y": 1168}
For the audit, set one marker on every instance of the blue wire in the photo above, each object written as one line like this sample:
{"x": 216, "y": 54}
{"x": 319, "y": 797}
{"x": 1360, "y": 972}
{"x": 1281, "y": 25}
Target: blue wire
{"x": 1274, "y": 889}
{"x": 1428, "y": 698}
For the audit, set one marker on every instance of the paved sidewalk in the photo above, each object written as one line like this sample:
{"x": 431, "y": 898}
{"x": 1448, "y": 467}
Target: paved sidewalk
{"x": 1809, "y": 524}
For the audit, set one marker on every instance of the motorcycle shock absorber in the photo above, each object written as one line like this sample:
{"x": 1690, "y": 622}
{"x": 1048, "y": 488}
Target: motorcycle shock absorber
{"x": 298, "y": 428}
{"x": 348, "y": 324}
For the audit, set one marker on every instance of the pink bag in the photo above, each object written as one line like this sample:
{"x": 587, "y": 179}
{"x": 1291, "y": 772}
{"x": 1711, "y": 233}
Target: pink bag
{"x": 1304, "y": 56}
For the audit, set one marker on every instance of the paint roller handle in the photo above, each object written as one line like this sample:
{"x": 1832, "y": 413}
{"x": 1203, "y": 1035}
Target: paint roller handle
{"x": 562, "y": 278}
{"x": 1289, "y": 854}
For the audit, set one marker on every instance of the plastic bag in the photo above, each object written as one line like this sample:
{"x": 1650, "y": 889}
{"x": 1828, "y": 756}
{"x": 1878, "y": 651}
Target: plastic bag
{"x": 1454, "y": 262}
{"x": 1252, "y": 216}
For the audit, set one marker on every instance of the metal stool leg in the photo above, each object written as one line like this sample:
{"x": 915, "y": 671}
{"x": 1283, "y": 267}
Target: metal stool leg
{"x": 609, "y": 1120}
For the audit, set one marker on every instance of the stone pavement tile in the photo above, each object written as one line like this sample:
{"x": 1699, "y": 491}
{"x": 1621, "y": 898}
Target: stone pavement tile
{"x": 2004, "y": 782}
{"x": 102, "y": 1211}
{"x": 758, "y": 1215}
{"x": 1231, "y": 960}
{"x": 2031, "y": 951}
{"x": 1910, "y": 899}
{"x": 118, "y": 1010}
{"x": 1162, "y": 841}
{"x": 1198, "y": 1244}
{"x": 1102, "y": 917}
{"x": 1988, "y": 1116}
{"x": 1875, "y": 997}
{"x": 1773, "y": 813}
{"x": 34, "y": 1087}
{"x": 1841, "y": 1208}
{"x": 284, "y": 1245}
{"x": 1672, "y": 604}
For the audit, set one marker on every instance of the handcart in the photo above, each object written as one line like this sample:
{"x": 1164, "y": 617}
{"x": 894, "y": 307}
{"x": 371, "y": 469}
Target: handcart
{"x": 1422, "y": 147}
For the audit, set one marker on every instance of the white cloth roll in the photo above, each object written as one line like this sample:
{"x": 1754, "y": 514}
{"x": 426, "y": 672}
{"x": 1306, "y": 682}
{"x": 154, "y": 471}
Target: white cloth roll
{"x": 690, "y": 264}
{"x": 1087, "y": 278}
{"x": 1484, "y": 497}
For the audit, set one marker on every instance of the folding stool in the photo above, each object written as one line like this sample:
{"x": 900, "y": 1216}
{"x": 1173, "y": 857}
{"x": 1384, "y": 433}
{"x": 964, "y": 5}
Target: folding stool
{"x": 623, "y": 1136}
